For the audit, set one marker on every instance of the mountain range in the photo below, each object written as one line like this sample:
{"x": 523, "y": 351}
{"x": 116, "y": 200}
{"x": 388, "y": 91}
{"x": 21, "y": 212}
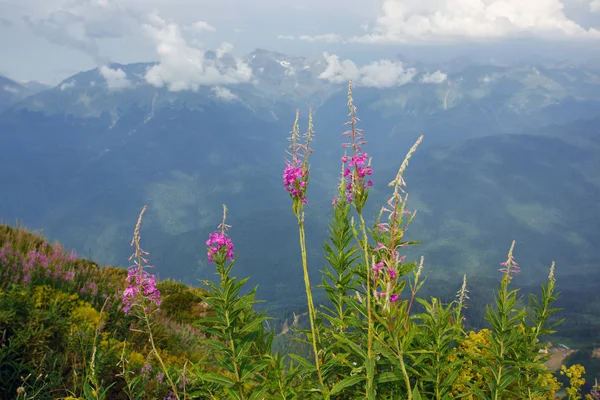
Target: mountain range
{"x": 11, "y": 92}
{"x": 510, "y": 152}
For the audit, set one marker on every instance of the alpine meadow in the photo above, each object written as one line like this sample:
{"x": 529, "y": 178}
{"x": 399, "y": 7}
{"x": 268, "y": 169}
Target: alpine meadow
{"x": 399, "y": 201}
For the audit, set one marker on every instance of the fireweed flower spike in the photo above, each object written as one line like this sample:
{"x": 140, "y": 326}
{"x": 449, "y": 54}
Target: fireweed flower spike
{"x": 462, "y": 294}
{"x": 357, "y": 167}
{"x": 342, "y": 183}
{"x": 356, "y": 171}
{"x": 220, "y": 247}
{"x": 296, "y": 173}
{"x": 295, "y": 182}
{"x": 510, "y": 266}
{"x": 141, "y": 293}
{"x": 390, "y": 240}
{"x": 141, "y": 289}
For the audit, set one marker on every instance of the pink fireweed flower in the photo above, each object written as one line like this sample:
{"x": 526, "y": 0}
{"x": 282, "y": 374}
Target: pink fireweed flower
{"x": 220, "y": 246}
{"x": 389, "y": 235}
{"x": 219, "y": 243}
{"x": 141, "y": 286}
{"x": 356, "y": 172}
{"x": 377, "y": 268}
{"x": 69, "y": 276}
{"x": 297, "y": 171}
{"x": 295, "y": 181}
{"x": 356, "y": 168}
{"x": 392, "y": 273}
{"x": 510, "y": 266}
{"x": 146, "y": 368}
{"x": 380, "y": 246}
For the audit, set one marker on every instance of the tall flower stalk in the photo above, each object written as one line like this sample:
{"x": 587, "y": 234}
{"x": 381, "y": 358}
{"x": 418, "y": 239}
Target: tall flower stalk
{"x": 388, "y": 267}
{"x": 141, "y": 294}
{"x": 295, "y": 182}
{"x": 357, "y": 170}
{"x": 236, "y": 333}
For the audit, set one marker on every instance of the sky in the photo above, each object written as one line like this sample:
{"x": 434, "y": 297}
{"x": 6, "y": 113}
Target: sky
{"x": 49, "y": 40}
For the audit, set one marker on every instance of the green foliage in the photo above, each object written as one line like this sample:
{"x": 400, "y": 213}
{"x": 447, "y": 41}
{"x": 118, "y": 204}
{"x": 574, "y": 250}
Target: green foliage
{"x": 63, "y": 331}
{"x": 59, "y": 340}
{"x": 240, "y": 346}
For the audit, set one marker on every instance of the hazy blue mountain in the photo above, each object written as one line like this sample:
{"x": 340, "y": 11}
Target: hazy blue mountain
{"x": 36, "y": 87}
{"x": 80, "y": 160}
{"x": 10, "y": 92}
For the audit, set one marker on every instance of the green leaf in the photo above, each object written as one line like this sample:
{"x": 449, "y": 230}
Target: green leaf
{"x": 347, "y": 382}
{"x": 218, "y": 379}
{"x": 255, "y": 367}
{"x": 416, "y": 395}
{"x": 302, "y": 361}
{"x": 386, "y": 377}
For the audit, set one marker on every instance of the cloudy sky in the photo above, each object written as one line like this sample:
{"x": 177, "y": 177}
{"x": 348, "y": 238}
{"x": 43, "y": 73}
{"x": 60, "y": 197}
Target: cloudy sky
{"x": 48, "y": 40}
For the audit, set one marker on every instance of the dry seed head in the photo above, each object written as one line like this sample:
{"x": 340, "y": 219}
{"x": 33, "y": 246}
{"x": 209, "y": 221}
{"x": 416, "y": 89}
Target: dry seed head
{"x": 350, "y": 101}
{"x": 359, "y": 297}
{"x": 399, "y": 181}
{"x": 294, "y": 138}
{"x": 223, "y": 226}
{"x": 462, "y": 293}
{"x": 420, "y": 269}
{"x": 310, "y": 133}
{"x": 136, "y": 232}
{"x": 135, "y": 241}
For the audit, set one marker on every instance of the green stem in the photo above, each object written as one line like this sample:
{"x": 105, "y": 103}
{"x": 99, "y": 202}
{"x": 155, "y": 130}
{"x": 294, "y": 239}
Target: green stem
{"x": 406, "y": 379}
{"x": 311, "y": 307}
{"x": 234, "y": 361}
{"x": 371, "y": 359}
{"x": 160, "y": 360}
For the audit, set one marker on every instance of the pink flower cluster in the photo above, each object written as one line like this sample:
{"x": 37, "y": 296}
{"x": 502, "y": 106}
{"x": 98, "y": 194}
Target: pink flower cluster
{"x": 141, "y": 285}
{"x": 511, "y": 268}
{"x": 295, "y": 180}
{"x": 38, "y": 265}
{"x": 359, "y": 163}
{"x": 217, "y": 243}
{"x": 387, "y": 278}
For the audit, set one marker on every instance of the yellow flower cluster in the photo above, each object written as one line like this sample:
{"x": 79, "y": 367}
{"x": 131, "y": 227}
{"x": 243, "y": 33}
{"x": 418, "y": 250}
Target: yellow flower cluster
{"x": 576, "y": 381}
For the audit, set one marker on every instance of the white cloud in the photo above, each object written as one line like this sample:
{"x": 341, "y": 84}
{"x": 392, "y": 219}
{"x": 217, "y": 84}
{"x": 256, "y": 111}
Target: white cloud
{"x": 449, "y": 20}
{"x": 595, "y": 6}
{"x": 379, "y": 74}
{"x": 201, "y": 26}
{"x": 225, "y": 48}
{"x": 183, "y": 67}
{"x": 339, "y": 71}
{"x": 385, "y": 73}
{"x": 224, "y": 94}
{"x": 67, "y": 85}
{"x": 80, "y": 24}
{"x": 436, "y": 77}
{"x": 327, "y": 38}
{"x": 12, "y": 89}
{"x": 116, "y": 79}
{"x": 487, "y": 79}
